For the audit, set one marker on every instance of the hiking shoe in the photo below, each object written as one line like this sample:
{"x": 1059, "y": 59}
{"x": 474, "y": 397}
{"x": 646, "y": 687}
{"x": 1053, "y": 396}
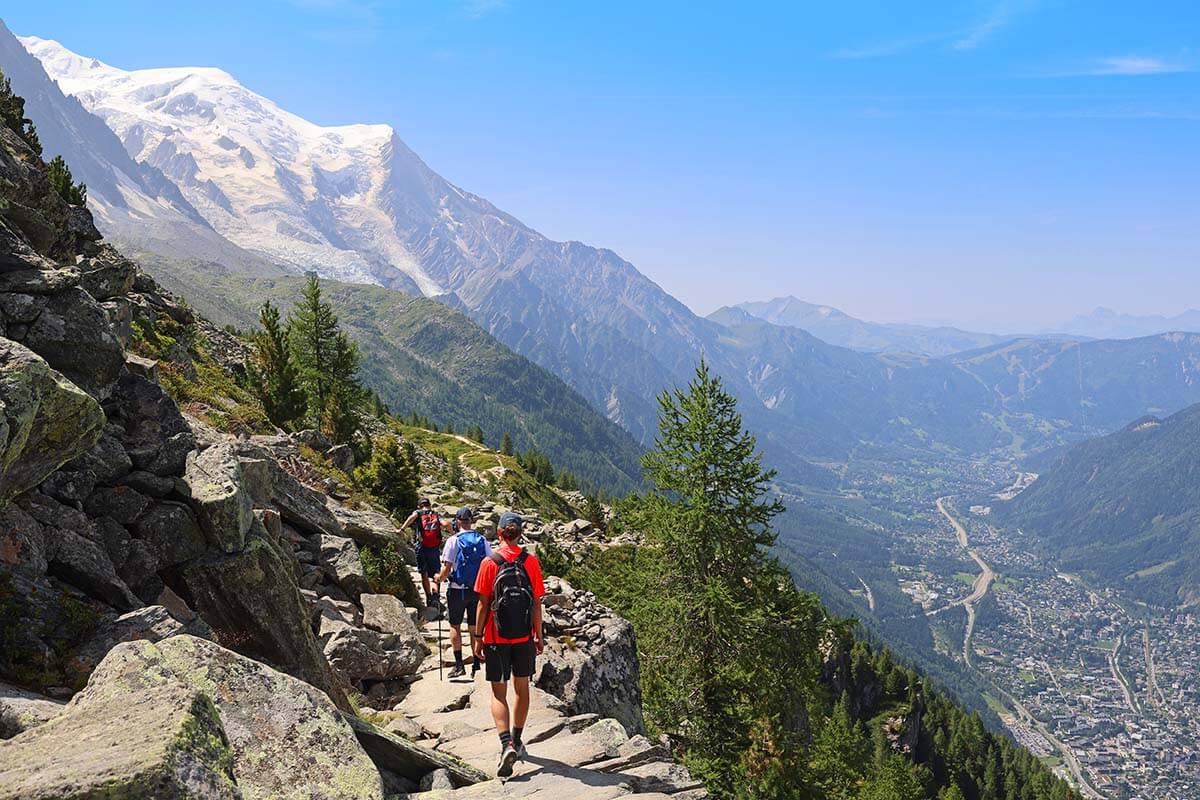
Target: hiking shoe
{"x": 509, "y": 757}
{"x": 457, "y": 672}
{"x": 522, "y": 752}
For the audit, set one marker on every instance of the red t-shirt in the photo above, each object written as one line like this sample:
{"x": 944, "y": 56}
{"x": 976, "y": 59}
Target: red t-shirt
{"x": 486, "y": 579}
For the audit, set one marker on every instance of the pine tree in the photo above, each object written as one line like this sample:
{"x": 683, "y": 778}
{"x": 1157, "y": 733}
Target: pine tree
{"x": 895, "y": 781}
{"x": 506, "y": 444}
{"x": 454, "y": 473}
{"x": 313, "y": 335}
{"x": 840, "y": 754}
{"x": 346, "y": 396}
{"x": 59, "y": 175}
{"x": 391, "y": 475}
{"x": 730, "y": 655}
{"x": 272, "y": 374}
{"x": 12, "y": 115}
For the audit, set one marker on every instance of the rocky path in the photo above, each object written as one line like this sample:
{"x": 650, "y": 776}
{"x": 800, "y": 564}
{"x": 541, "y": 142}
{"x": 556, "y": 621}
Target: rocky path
{"x": 584, "y": 756}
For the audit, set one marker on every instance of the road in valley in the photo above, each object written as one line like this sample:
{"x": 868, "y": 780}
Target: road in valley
{"x": 980, "y": 590}
{"x": 982, "y": 583}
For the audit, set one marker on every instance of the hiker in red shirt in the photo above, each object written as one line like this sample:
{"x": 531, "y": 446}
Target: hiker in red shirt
{"x": 509, "y": 616}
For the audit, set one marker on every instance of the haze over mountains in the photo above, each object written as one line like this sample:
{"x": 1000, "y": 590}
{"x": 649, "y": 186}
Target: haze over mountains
{"x": 355, "y": 204}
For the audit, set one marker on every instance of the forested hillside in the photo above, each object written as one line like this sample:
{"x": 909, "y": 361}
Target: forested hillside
{"x": 423, "y": 357}
{"x": 1124, "y": 508}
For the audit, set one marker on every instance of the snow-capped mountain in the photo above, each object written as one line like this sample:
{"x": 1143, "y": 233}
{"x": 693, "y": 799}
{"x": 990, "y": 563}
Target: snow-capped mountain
{"x": 305, "y": 196}
{"x": 125, "y": 196}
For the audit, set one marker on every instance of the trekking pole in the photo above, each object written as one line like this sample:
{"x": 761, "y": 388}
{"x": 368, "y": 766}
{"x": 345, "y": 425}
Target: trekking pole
{"x": 440, "y": 655}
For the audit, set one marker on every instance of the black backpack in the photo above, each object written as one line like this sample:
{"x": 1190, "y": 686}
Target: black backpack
{"x": 512, "y": 597}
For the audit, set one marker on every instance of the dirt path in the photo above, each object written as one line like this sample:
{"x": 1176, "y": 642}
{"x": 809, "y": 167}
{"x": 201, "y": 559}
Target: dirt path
{"x": 867, "y": 589}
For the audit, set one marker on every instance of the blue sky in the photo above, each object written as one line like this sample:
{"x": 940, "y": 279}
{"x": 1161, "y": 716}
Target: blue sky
{"x": 996, "y": 163}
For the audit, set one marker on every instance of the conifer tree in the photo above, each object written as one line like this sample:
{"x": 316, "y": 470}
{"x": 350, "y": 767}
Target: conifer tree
{"x": 313, "y": 334}
{"x": 506, "y": 444}
{"x": 12, "y": 115}
{"x": 61, "y": 180}
{"x": 345, "y": 395}
{"x": 391, "y": 475}
{"x": 730, "y": 655}
{"x": 272, "y": 374}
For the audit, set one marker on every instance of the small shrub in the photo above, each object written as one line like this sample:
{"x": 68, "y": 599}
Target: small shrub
{"x": 387, "y": 572}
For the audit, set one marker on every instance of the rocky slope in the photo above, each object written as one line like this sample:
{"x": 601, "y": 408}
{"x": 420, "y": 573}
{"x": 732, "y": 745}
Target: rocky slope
{"x": 198, "y": 592}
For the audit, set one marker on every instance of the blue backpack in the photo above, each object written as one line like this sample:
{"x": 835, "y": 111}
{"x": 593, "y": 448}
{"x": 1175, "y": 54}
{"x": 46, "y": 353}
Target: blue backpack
{"x": 472, "y": 550}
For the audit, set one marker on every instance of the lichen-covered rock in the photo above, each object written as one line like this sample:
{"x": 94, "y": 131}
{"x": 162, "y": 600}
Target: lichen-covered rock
{"x": 150, "y": 623}
{"x": 107, "y": 274}
{"x": 253, "y": 604}
{"x": 214, "y": 483}
{"x": 73, "y": 335}
{"x": 287, "y": 740}
{"x": 360, "y": 654}
{"x": 171, "y": 532}
{"x": 367, "y": 527}
{"x": 23, "y": 710}
{"x": 158, "y": 741}
{"x": 45, "y": 420}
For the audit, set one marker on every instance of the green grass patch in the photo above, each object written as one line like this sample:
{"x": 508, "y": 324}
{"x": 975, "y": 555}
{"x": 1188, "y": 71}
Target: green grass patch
{"x": 965, "y": 578}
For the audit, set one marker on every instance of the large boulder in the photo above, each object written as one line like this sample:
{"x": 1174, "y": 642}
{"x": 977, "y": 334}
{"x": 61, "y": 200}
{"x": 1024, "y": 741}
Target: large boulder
{"x": 73, "y": 334}
{"x": 171, "y": 532}
{"x": 386, "y": 614}
{"x": 45, "y": 420}
{"x": 215, "y": 488}
{"x": 361, "y": 654}
{"x": 253, "y": 604}
{"x": 155, "y": 741}
{"x": 150, "y": 623}
{"x": 397, "y": 754}
{"x": 368, "y": 527}
{"x": 286, "y": 739}
{"x": 75, "y": 551}
{"x": 271, "y": 486}
{"x": 340, "y": 558}
{"x": 21, "y": 710}
{"x": 156, "y": 436}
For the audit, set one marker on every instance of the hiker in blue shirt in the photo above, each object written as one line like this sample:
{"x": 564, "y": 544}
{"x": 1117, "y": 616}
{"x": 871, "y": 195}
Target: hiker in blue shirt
{"x": 461, "y": 557}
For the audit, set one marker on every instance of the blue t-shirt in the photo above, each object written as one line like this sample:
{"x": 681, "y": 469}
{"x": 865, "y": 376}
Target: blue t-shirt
{"x": 450, "y": 554}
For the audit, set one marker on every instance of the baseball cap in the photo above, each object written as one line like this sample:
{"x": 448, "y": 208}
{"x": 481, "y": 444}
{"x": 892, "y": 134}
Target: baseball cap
{"x": 464, "y": 513}
{"x": 510, "y": 518}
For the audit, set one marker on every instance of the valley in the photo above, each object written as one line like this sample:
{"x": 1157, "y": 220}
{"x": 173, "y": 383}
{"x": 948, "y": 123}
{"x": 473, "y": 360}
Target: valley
{"x": 1100, "y": 686}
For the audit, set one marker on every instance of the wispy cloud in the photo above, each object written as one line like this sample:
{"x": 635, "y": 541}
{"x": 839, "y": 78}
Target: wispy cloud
{"x": 1000, "y": 17}
{"x": 1123, "y": 65}
{"x": 967, "y": 38}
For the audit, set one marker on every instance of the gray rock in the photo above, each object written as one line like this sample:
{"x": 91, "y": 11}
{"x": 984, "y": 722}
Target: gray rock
{"x": 121, "y": 503}
{"x": 172, "y": 533}
{"x": 252, "y": 602}
{"x": 342, "y": 457}
{"x": 148, "y": 483}
{"x": 312, "y": 438}
{"x": 340, "y": 558}
{"x": 386, "y": 614}
{"x": 144, "y": 367}
{"x": 270, "y": 485}
{"x": 107, "y": 458}
{"x": 139, "y": 570}
{"x": 438, "y": 779}
{"x": 25, "y": 710}
{"x": 398, "y": 755}
{"x": 215, "y": 488}
{"x": 160, "y": 742}
{"x": 368, "y": 527}
{"x": 45, "y": 420}
{"x": 403, "y": 726}
{"x": 106, "y": 276}
{"x": 70, "y": 485}
{"x": 360, "y": 654}
{"x": 73, "y": 335}
{"x": 156, "y": 436}
{"x": 150, "y": 623}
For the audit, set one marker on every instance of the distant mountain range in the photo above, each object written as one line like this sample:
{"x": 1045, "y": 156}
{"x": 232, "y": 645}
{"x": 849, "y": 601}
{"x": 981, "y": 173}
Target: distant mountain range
{"x": 261, "y": 191}
{"x": 1124, "y": 508}
{"x": 837, "y": 327}
{"x": 1104, "y": 323}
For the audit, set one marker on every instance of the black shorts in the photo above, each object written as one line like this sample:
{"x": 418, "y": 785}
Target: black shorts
{"x": 429, "y": 561}
{"x": 462, "y": 602}
{"x": 509, "y": 660}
